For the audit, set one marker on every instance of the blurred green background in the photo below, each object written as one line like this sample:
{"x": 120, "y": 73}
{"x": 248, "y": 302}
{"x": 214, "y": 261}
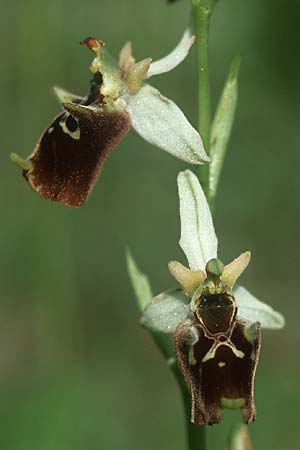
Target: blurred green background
{"x": 76, "y": 370}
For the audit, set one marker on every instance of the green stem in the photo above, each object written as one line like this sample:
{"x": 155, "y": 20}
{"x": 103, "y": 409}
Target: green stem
{"x": 202, "y": 11}
{"x": 196, "y": 435}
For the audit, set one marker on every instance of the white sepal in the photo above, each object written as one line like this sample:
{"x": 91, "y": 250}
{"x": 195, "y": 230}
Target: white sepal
{"x": 166, "y": 311}
{"x": 174, "y": 58}
{"x": 198, "y": 238}
{"x": 253, "y": 310}
{"x": 159, "y": 121}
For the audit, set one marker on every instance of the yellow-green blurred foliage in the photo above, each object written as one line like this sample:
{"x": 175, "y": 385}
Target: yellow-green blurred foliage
{"x": 76, "y": 370}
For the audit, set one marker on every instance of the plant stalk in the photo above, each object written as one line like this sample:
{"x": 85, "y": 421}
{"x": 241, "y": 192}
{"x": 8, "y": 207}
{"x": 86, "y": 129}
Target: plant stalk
{"x": 202, "y": 11}
{"x": 196, "y": 436}
{"x": 196, "y": 439}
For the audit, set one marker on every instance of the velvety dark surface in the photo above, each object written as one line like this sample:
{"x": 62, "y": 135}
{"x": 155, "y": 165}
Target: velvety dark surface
{"x": 65, "y": 169}
{"x": 76, "y": 370}
{"x": 224, "y": 375}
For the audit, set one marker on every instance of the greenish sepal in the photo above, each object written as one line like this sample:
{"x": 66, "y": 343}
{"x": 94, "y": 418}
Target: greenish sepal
{"x": 112, "y": 75}
{"x": 22, "y": 163}
{"x": 108, "y": 67}
{"x": 232, "y": 403}
{"x": 108, "y": 62}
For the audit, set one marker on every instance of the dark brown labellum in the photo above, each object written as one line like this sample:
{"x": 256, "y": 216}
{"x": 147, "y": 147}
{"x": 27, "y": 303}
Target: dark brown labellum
{"x": 70, "y": 154}
{"x": 66, "y": 165}
{"x": 219, "y": 368}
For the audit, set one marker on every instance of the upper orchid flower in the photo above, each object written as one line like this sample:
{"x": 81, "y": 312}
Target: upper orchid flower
{"x": 216, "y": 324}
{"x": 68, "y": 158}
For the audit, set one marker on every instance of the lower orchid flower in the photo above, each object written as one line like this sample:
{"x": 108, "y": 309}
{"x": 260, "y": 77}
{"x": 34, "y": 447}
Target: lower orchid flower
{"x": 215, "y": 323}
{"x": 68, "y": 158}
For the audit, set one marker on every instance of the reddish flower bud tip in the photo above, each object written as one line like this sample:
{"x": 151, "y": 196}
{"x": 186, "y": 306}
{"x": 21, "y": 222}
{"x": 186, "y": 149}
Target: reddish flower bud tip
{"x": 92, "y": 43}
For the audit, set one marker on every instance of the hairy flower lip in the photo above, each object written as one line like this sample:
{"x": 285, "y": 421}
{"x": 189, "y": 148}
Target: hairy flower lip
{"x": 219, "y": 378}
{"x": 216, "y": 333}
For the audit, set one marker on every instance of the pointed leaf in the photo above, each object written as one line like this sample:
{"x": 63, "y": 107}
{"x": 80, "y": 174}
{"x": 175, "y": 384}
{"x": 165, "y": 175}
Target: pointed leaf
{"x": 166, "y": 311}
{"x": 159, "y": 121}
{"x": 198, "y": 238}
{"x": 253, "y": 310}
{"x": 174, "y": 58}
{"x": 222, "y": 125}
{"x": 139, "y": 281}
{"x": 142, "y": 289}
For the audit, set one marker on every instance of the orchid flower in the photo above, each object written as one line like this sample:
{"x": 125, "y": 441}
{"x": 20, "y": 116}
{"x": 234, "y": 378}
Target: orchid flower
{"x": 215, "y": 323}
{"x": 68, "y": 158}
